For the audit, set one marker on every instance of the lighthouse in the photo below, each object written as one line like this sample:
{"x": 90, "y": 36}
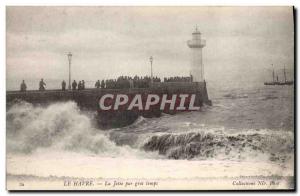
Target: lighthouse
{"x": 196, "y": 44}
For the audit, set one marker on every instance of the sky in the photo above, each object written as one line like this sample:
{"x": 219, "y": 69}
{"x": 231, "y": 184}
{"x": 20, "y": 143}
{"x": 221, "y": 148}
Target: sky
{"x": 106, "y": 42}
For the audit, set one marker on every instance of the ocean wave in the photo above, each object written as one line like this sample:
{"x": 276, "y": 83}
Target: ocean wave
{"x": 268, "y": 97}
{"x": 235, "y": 96}
{"x": 63, "y": 127}
{"x": 239, "y": 146}
{"x": 59, "y": 126}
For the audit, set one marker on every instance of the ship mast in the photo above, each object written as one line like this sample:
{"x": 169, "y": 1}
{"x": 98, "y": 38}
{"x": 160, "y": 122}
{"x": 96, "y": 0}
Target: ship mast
{"x": 284, "y": 73}
{"x": 273, "y": 73}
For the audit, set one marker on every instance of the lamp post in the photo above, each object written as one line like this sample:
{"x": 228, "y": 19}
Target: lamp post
{"x": 151, "y": 61}
{"x": 70, "y": 58}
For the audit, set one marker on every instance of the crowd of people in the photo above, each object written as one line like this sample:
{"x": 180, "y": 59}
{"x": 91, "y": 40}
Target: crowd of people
{"x": 179, "y": 79}
{"x": 128, "y": 82}
{"x": 121, "y": 82}
{"x": 79, "y": 86}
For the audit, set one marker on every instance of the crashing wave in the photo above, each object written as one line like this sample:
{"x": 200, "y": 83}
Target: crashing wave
{"x": 60, "y": 125}
{"x": 204, "y": 145}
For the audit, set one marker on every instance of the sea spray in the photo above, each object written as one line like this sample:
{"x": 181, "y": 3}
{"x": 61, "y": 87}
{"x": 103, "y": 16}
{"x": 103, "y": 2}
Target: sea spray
{"x": 34, "y": 127}
{"x": 59, "y": 126}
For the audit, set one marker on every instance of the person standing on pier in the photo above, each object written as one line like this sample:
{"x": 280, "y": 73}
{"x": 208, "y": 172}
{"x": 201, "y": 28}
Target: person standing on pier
{"x": 97, "y": 84}
{"x": 131, "y": 83}
{"x": 82, "y": 85}
{"x": 23, "y": 86}
{"x": 63, "y": 85}
{"x": 102, "y": 84}
{"x": 74, "y": 85}
{"x": 79, "y": 85}
{"x": 42, "y": 85}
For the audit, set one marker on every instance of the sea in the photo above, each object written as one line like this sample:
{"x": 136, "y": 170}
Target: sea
{"x": 248, "y": 131}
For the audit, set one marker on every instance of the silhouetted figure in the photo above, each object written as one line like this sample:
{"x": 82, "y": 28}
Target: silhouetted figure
{"x": 23, "y": 86}
{"x": 131, "y": 83}
{"x": 74, "y": 85}
{"x": 42, "y": 85}
{"x": 82, "y": 85}
{"x": 97, "y": 84}
{"x": 79, "y": 85}
{"x": 63, "y": 85}
{"x": 102, "y": 84}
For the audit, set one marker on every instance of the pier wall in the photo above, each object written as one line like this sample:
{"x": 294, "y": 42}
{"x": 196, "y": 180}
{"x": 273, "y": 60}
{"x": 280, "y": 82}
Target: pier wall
{"x": 89, "y": 99}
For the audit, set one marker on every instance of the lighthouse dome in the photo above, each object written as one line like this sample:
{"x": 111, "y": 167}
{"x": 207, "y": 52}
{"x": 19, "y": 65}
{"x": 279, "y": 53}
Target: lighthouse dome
{"x": 196, "y": 31}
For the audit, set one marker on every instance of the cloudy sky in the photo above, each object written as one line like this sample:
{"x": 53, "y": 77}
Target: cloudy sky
{"x": 241, "y": 42}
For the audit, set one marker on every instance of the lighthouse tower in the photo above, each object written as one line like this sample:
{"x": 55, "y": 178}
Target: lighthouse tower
{"x": 196, "y": 44}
